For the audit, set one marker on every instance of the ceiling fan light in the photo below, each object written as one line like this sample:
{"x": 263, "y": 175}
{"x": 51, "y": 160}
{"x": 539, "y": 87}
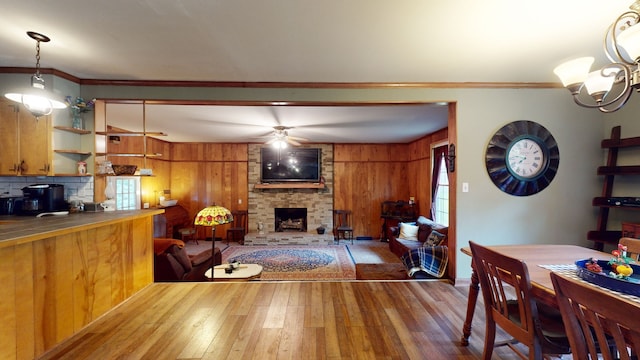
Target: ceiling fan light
{"x": 280, "y": 144}
{"x": 574, "y": 71}
{"x": 597, "y": 83}
{"x": 629, "y": 40}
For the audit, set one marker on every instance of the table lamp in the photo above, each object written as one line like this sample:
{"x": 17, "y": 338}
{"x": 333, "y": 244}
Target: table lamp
{"x": 211, "y": 216}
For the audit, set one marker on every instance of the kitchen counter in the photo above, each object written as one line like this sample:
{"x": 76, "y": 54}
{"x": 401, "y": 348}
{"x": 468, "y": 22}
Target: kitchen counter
{"x": 60, "y": 273}
{"x": 20, "y": 229}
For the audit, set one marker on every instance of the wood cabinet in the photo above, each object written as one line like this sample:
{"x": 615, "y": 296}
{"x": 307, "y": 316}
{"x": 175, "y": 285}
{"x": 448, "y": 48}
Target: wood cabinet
{"x": 606, "y": 201}
{"x": 26, "y": 141}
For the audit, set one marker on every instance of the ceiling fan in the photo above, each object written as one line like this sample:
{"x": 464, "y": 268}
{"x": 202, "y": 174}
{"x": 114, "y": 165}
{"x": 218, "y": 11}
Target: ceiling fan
{"x": 281, "y": 138}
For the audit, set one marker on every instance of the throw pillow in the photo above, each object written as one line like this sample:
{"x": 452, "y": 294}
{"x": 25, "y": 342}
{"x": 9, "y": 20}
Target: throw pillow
{"x": 434, "y": 239}
{"x": 408, "y": 231}
{"x": 423, "y": 232}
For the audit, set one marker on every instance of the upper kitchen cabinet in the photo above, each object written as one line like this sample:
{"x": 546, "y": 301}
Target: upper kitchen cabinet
{"x": 25, "y": 141}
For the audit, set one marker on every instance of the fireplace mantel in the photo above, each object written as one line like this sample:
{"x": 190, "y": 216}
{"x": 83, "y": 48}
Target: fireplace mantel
{"x": 290, "y": 186}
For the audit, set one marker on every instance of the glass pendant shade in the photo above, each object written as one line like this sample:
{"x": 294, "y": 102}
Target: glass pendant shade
{"x": 574, "y": 71}
{"x": 629, "y": 40}
{"x": 36, "y": 98}
{"x": 596, "y": 83}
{"x": 39, "y": 102}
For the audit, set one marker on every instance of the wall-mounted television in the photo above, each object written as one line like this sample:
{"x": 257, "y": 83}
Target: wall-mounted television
{"x": 290, "y": 164}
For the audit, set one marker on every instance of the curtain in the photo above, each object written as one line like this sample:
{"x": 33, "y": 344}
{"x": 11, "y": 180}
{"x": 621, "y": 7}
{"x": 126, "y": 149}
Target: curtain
{"x": 438, "y": 154}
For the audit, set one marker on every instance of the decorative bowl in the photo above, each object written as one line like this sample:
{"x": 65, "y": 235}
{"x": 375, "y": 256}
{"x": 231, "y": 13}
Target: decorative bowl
{"x": 629, "y": 285}
{"x": 168, "y": 202}
{"x": 124, "y": 169}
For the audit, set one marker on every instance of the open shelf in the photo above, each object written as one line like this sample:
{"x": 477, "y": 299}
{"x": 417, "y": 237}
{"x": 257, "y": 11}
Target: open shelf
{"x": 129, "y": 154}
{"x": 73, "y": 130}
{"x": 76, "y": 152}
{"x": 290, "y": 186}
{"x": 131, "y": 133}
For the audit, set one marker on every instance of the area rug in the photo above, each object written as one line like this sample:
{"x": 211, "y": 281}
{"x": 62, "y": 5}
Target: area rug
{"x": 303, "y": 262}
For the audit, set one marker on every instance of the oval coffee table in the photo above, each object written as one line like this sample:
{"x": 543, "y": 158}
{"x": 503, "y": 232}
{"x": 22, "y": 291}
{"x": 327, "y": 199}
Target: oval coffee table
{"x": 245, "y": 272}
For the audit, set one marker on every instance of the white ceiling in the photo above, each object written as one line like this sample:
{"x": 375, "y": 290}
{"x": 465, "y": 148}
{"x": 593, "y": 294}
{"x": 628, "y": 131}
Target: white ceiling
{"x": 353, "y": 41}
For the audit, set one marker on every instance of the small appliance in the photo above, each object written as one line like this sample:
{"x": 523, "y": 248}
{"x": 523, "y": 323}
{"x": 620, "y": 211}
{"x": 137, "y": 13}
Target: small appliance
{"x": 41, "y": 198}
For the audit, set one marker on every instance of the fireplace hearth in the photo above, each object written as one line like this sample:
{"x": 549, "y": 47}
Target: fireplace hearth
{"x": 290, "y": 219}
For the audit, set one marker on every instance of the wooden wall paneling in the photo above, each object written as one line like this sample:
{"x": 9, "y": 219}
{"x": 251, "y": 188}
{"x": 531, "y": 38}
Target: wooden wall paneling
{"x": 161, "y": 147}
{"x": 367, "y": 176}
{"x": 11, "y": 325}
{"x": 187, "y": 151}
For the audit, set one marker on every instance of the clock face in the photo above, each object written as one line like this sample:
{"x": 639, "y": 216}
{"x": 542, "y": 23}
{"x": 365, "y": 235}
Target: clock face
{"x": 525, "y": 158}
{"x": 522, "y": 158}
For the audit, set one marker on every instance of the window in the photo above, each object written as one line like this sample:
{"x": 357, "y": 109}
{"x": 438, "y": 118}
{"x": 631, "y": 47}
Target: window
{"x": 127, "y": 191}
{"x": 441, "y": 210}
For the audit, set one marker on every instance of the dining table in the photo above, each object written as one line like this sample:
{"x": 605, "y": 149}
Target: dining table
{"x": 539, "y": 258}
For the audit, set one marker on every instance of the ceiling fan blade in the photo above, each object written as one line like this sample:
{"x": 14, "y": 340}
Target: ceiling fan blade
{"x": 298, "y": 138}
{"x": 292, "y": 142}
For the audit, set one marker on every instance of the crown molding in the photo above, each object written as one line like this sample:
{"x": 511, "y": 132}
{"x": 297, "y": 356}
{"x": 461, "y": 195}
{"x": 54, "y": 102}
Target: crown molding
{"x": 307, "y": 85}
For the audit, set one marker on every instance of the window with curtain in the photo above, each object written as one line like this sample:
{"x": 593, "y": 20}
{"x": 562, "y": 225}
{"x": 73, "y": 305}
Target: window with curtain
{"x": 442, "y": 195}
{"x": 440, "y": 186}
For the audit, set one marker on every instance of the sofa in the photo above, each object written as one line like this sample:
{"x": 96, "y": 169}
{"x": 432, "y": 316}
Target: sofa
{"x": 422, "y": 247}
{"x": 172, "y": 263}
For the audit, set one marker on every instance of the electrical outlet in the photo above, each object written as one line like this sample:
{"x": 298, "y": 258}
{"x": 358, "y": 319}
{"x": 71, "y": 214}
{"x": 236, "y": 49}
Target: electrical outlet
{"x": 239, "y": 201}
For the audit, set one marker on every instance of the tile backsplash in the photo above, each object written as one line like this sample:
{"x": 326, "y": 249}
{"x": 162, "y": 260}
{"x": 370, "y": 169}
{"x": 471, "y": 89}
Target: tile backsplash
{"x": 76, "y": 187}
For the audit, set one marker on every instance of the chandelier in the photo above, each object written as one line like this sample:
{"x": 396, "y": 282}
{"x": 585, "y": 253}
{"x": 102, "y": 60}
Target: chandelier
{"x": 36, "y": 99}
{"x": 610, "y": 87}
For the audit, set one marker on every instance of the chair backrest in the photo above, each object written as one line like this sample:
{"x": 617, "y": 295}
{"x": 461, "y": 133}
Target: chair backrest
{"x": 505, "y": 284}
{"x": 633, "y": 247}
{"x": 593, "y": 316}
{"x": 240, "y": 218}
{"x": 341, "y": 218}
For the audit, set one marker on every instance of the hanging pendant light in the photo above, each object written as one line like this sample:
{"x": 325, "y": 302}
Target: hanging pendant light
{"x": 36, "y": 98}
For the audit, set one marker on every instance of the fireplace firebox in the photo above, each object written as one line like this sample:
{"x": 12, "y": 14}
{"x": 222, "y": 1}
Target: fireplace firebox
{"x": 290, "y": 219}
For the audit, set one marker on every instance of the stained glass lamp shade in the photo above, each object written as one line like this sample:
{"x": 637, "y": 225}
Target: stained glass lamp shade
{"x": 211, "y": 216}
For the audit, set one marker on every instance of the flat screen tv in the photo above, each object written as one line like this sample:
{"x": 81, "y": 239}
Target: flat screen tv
{"x": 291, "y": 164}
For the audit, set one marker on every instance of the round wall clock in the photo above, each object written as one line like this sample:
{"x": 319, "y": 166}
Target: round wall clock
{"x": 522, "y": 158}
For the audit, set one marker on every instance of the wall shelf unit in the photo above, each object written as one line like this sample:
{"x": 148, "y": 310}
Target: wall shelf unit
{"x": 606, "y": 201}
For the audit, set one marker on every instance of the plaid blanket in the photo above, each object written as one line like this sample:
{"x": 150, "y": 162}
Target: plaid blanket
{"x": 431, "y": 259}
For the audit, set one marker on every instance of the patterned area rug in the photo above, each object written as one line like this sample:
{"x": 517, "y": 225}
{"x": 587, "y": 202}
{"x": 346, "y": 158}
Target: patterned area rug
{"x": 303, "y": 262}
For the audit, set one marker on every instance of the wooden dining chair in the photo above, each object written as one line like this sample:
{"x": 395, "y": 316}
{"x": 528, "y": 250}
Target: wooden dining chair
{"x": 342, "y": 225}
{"x": 594, "y": 316}
{"x": 239, "y": 228}
{"x": 506, "y": 290}
{"x": 633, "y": 247}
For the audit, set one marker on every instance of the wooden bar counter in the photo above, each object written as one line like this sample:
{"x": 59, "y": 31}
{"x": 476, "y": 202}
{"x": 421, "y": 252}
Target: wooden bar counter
{"x": 59, "y": 273}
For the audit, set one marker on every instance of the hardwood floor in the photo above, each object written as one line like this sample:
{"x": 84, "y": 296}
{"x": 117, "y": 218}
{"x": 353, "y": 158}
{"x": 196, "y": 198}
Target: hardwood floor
{"x": 285, "y": 320}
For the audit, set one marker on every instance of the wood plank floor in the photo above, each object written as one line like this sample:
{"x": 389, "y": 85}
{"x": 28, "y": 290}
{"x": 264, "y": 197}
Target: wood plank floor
{"x": 284, "y": 320}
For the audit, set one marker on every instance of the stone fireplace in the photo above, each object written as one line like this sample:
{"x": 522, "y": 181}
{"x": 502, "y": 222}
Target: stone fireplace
{"x": 290, "y": 219}
{"x": 317, "y": 202}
